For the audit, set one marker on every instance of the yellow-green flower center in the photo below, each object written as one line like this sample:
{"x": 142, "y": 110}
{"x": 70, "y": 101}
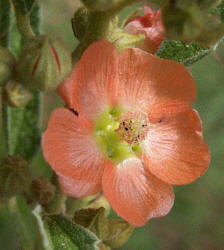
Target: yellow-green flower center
{"x": 118, "y": 133}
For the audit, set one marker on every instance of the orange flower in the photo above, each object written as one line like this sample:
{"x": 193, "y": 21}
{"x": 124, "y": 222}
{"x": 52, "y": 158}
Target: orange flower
{"x": 151, "y": 26}
{"x": 128, "y": 130}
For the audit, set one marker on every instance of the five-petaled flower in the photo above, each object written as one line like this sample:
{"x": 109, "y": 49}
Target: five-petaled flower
{"x": 150, "y": 24}
{"x": 128, "y": 130}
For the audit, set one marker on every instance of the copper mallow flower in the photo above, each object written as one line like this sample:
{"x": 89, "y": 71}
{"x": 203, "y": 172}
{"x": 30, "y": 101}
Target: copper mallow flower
{"x": 150, "y": 24}
{"x": 128, "y": 130}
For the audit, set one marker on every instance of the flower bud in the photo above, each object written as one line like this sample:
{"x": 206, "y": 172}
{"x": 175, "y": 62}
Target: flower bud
{"x": 7, "y": 63}
{"x": 182, "y": 21}
{"x": 15, "y": 176}
{"x": 44, "y": 63}
{"x": 150, "y": 24}
{"x": 80, "y": 22}
{"x": 16, "y": 95}
{"x": 42, "y": 190}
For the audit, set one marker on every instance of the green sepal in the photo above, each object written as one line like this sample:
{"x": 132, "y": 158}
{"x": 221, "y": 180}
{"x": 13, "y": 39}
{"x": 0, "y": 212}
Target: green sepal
{"x": 112, "y": 232}
{"x": 120, "y": 231}
{"x": 123, "y": 40}
{"x": 94, "y": 220}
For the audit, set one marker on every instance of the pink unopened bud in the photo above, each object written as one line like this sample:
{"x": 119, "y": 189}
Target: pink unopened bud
{"x": 150, "y": 24}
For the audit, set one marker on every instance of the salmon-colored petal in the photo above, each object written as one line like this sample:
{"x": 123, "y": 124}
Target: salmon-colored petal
{"x": 70, "y": 149}
{"x": 174, "y": 150}
{"x": 134, "y": 194}
{"x": 78, "y": 188}
{"x": 65, "y": 90}
{"x": 161, "y": 87}
{"x": 94, "y": 81}
{"x": 153, "y": 39}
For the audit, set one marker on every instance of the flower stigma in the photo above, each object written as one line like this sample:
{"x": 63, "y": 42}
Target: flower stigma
{"x": 118, "y": 133}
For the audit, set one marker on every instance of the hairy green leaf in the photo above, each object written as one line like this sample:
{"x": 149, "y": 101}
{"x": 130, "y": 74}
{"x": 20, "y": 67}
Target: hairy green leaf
{"x": 181, "y": 52}
{"x": 23, "y": 127}
{"x": 58, "y": 232}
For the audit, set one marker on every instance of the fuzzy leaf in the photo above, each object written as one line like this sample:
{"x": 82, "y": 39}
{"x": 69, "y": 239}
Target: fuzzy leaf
{"x": 23, "y": 128}
{"x": 180, "y": 52}
{"x": 60, "y": 233}
{"x": 187, "y": 53}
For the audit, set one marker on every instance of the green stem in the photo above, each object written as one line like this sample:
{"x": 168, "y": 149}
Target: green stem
{"x": 98, "y": 24}
{"x": 22, "y": 126}
{"x": 23, "y": 25}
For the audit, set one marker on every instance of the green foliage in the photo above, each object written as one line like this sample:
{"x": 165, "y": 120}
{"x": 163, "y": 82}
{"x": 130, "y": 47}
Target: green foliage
{"x": 4, "y": 21}
{"x": 24, "y": 6}
{"x": 220, "y": 10}
{"x": 111, "y": 232}
{"x": 23, "y": 222}
{"x": 181, "y": 52}
{"x": 60, "y": 233}
{"x": 21, "y": 126}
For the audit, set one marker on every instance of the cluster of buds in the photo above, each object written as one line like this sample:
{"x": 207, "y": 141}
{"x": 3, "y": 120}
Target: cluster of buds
{"x": 44, "y": 62}
{"x": 13, "y": 92}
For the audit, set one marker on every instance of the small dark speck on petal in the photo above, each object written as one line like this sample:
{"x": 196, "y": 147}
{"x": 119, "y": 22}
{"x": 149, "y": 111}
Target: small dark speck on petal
{"x": 74, "y": 111}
